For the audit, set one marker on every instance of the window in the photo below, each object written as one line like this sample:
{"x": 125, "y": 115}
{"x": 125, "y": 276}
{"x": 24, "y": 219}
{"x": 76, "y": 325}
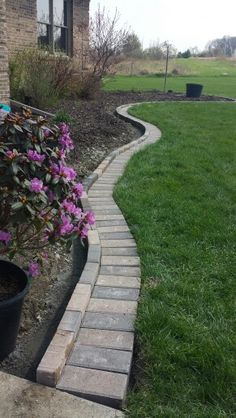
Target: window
{"x": 53, "y": 24}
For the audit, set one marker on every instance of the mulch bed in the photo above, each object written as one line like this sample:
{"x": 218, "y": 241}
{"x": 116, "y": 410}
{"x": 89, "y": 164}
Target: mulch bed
{"x": 96, "y": 132}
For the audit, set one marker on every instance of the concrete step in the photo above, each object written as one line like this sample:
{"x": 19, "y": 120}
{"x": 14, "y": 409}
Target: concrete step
{"x": 20, "y": 398}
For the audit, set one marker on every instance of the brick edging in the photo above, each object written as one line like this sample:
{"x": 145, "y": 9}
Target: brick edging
{"x": 52, "y": 364}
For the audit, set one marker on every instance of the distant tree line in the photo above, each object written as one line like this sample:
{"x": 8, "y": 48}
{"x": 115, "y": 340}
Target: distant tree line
{"x": 225, "y": 46}
{"x": 132, "y": 48}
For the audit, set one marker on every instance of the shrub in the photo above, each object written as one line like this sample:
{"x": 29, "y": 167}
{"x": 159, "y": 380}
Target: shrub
{"x": 86, "y": 85}
{"x": 39, "y": 200}
{"x": 39, "y": 77}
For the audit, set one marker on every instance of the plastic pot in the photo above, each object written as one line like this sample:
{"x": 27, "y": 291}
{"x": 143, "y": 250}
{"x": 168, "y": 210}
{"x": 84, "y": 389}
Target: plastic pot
{"x": 193, "y": 90}
{"x": 10, "y": 309}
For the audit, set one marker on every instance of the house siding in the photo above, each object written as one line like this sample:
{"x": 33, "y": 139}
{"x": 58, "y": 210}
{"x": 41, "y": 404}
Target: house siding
{"x": 4, "y": 79}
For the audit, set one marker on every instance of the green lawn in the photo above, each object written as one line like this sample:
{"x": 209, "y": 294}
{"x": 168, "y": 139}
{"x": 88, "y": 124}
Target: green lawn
{"x": 191, "y": 66}
{"x": 214, "y": 85}
{"x": 183, "y": 217}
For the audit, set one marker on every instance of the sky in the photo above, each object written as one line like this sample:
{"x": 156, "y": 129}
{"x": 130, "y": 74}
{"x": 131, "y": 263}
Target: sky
{"x": 184, "y": 23}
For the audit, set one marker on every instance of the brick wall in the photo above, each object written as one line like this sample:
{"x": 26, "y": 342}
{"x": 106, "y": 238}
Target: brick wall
{"x": 80, "y": 29}
{"x": 4, "y": 80}
{"x": 21, "y": 24}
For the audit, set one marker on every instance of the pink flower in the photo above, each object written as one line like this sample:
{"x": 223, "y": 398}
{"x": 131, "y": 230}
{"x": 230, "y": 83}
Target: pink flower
{"x": 54, "y": 169}
{"x": 84, "y": 232}
{"x": 11, "y": 154}
{"x": 66, "y": 142}
{"x": 35, "y": 156}
{"x": 5, "y": 237}
{"x": 71, "y": 208}
{"x": 64, "y": 129}
{"x": 66, "y": 226}
{"x": 61, "y": 170}
{"x": 90, "y": 217}
{"x": 34, "y": 269}
{"x": 51, "y": 196}
{"x": 36, "y": 185}
{"x": 78, "y": 190}
{"x": 67, "y": 172}
{"x": 47, "y": 133}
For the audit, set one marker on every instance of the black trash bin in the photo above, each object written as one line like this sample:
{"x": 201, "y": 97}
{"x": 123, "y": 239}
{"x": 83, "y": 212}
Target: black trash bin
{"x": 193, "y": 90}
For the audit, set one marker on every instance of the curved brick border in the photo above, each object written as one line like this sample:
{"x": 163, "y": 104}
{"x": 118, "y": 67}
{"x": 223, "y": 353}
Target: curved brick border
{"x": 91, "y": 352}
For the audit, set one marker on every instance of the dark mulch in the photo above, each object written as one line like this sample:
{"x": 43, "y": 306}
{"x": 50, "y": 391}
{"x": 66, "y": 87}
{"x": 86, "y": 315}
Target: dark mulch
{"x": 97, "y": 131}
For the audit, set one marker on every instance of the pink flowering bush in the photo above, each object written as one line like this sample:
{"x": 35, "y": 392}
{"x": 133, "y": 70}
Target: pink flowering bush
{"x": 39, "y": 193}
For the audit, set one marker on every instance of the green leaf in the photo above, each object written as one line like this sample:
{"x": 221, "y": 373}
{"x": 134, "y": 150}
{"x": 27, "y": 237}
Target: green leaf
{"x": 31, "y": 210}
{"x": 18, "y": 128}
{"x": 15, "y": 178}
{"x": 55, "y": 181}
{"x": 14, "y": 167}
{"x": 17, "y": 206}
{"x": 48, "y": 178}
{"x": 37, "y": 147}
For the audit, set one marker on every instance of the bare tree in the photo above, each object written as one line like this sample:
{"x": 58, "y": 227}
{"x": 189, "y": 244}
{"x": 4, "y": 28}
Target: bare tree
{"x": 107, "y": 41}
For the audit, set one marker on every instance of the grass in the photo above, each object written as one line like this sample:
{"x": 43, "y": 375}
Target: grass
{"x": 218, "y": 76}
{"x": 218, "y": 85}
{"x": 183, "y": 194}
{"x": 191, "y": 66}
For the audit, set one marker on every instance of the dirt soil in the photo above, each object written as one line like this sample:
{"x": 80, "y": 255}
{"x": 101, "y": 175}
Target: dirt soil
{"x": 96, "y": 132}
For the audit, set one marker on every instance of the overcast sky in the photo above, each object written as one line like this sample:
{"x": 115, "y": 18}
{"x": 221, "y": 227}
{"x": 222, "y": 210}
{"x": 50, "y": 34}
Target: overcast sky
{"x": 185, "y": 23}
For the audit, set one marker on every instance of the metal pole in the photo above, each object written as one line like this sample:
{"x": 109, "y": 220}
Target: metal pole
{"x": 167, "y": 62}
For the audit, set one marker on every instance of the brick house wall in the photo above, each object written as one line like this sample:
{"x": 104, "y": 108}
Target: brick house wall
{"x": 4, "y": 79}
{"x": 22, "y": 25}
{"x": 80, "y": 29}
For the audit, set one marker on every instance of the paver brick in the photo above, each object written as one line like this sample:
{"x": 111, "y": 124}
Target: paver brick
{"x": 113, "y": 211}
{"x": 99, "y": 186}
{"x": 101, "y": 358}
{"x": 94, "y": 254}
{"x": 119, "y": 293}
{"x": 70, "y": 321}
{"x": 121, "y": 228}
{"x": 118, "y": 340}
{"x": 117, "y": 260}
{"x": 119, "y": 281}
{"x": 119, "y": 251}
{"x": 90, "y": 273}
{"x": 80, "y": 298}
{"x": 109, "y": 217}
{"x": 116, "y": 243}
{"x": 96, "y": 385}
{"x": 100, "y": 193}
{"x": 112, "y": 306}
{"x": 115, "y": 235}
{"x": 53, "y": 361}
{"x": 117, "y": 222}
{"x": 110, "y": 321}
{"x": 93, "y": 237}
{"x": 120, "y": 271}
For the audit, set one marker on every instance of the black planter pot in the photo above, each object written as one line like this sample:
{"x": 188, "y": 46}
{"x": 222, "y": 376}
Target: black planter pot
{"x": 193, "y": 90}
{"x": 10, "y": 310}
